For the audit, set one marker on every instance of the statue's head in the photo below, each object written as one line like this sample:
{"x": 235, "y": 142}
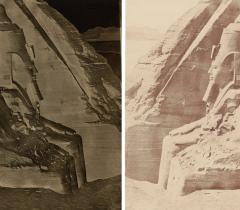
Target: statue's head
{"x": 221, "y": 71}
{"x": 231, "y": 105}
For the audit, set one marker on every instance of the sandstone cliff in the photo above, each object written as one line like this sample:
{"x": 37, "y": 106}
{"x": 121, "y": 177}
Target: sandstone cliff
{"x": 54, "y": 88}
{"x": 172, "y": 81}
{"x": 184, "y": 133}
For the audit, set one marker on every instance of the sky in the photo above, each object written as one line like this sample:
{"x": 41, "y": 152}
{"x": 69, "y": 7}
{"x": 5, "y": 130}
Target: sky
{"x": 158, "y": 14}
{"x": 86, "y": 14}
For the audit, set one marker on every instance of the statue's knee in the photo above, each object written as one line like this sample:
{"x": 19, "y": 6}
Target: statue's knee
{"x": 168, "y": 142}
{"x": 170, "y": 146}
{"x": 76, "y": 139}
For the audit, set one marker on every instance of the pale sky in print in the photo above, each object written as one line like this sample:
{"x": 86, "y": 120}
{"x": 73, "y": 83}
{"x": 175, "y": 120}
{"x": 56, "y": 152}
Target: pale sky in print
{"x": 158, "y": 14}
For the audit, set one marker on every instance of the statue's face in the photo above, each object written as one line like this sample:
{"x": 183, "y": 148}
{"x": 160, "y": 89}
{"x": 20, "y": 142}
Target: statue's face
{"x": 231, "y": 109}
{"x": 231, "y": 106}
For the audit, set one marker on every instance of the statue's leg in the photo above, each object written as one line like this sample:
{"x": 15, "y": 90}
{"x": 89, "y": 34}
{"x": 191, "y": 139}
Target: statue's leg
{"x": 77, "y": 148}
{"x": 74, "y": 145}
{"x": 171, "y": 146}
{"x": 45, "y": 155}
{"x": 44, "y": 149}
{"x": 60, "y": 161}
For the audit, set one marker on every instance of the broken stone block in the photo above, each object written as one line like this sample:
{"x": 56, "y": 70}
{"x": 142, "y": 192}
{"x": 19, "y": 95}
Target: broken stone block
{"x": 206, "y": 165}
{"x": 20, "y": 172}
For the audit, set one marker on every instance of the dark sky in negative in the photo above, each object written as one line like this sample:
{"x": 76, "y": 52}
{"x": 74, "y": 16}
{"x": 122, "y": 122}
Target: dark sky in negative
{"x": 86, "y": 14}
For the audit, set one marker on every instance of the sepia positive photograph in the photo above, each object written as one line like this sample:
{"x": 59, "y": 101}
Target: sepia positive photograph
{"x": 182, "y": 105}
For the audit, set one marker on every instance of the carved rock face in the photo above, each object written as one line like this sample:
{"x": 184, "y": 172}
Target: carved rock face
{"x": 171, "y": 85}
{"x": 50, "y": 80}
{"x": 22, "y": 130}
{"x": 206, "y": 158}
{"x": 205, "y": 155}
{"x": 174, "y": 78}
{"x": 86, "y": 110}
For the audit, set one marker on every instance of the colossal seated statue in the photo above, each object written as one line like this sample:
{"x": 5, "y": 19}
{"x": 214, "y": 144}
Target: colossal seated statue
{"x": 203, "y": 154}
{"x": 47, "y": 154}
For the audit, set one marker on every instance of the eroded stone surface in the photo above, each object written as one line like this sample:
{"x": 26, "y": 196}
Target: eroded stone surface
{"x": 205, "y": 154}
{"x": 172, "y": 82}
{"x": 52, "y": 79}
